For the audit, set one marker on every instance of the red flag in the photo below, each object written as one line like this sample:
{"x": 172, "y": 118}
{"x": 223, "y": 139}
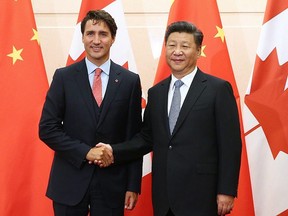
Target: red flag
{"x": 215, "y": 60}
{"x": 266, "y": 115}
{"x": 126, "y": 59}
{"x": 25, "y": 160}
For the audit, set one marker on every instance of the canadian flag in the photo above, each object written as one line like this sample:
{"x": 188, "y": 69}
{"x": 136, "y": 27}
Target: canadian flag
{"x": 121, "y": 53}
{"x": 266, "y": 115}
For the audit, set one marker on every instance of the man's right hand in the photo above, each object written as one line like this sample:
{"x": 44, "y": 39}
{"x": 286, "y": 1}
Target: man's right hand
{"x": 101, "y": 155}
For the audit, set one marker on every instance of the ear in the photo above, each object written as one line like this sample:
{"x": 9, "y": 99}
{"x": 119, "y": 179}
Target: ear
{"x": 113, "y": 40}
{"x": 199, "y": 51}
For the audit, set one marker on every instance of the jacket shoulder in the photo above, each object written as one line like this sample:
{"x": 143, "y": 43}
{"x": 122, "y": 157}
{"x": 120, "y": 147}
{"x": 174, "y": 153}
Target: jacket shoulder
{"x": 120, "y": 69}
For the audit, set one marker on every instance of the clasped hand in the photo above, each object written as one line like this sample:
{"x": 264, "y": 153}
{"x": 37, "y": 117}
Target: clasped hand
{"x": 101, "y": 155}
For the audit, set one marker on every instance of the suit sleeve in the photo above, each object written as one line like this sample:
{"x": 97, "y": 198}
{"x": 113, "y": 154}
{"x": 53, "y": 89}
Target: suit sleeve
{"x": 51, "y": 130}
{"x": 139, "y": 145}
{"x": 228, "y": 139}
{"x": 134, "y": 125}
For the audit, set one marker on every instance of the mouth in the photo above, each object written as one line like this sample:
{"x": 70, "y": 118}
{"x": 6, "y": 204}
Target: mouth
{"x": 177, "y": 61}
{"x": 96, "y": 48}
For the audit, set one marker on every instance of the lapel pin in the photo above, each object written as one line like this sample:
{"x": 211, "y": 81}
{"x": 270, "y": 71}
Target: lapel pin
{"x": 116, "y": 80}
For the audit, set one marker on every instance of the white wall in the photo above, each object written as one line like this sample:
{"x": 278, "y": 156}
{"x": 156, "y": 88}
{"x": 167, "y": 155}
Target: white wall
{"x": 146, "y": 21}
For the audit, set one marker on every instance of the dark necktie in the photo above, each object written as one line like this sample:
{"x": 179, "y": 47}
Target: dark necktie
{"x": 175, "y": 105}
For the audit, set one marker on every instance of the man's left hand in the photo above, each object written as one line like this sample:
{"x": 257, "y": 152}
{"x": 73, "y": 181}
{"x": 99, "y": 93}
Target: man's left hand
{"x": 225, "y": 204}
{"x": 130, "y": 200}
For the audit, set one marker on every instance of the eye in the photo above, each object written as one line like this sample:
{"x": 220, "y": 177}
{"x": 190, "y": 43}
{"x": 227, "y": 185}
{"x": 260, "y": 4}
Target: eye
{"x": 89, "y": 33}
{"x": 171, "y": 45}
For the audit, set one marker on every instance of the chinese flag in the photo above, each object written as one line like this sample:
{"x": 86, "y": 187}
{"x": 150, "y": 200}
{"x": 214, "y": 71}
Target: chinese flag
{"x": 121, "y": 53}
{"x": 266, "y": 115}
{"x": 25, "y": 160}
{"x": 214, "y": 60}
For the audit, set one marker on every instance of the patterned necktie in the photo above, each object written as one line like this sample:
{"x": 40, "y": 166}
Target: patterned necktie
{"x": 175, "y": 105}
{"x": 97, "y": 86}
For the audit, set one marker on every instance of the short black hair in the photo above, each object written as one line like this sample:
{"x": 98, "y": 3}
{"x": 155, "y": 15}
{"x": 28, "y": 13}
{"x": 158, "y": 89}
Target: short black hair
{"x": 184, "y": 26}
{"x": 101, "y": 16}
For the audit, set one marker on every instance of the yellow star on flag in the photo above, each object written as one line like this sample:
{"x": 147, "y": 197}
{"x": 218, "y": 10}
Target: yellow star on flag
{"x": 220, "y": 33}
{"x": 16, "y": 55}
{"x": 202, "y": 51}
{"x": 35, "y": 36}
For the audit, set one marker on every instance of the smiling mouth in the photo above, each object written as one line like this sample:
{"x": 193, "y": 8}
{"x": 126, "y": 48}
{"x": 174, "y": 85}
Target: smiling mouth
{"x": 96, "y": 49}
{"x": 177, "y": 60}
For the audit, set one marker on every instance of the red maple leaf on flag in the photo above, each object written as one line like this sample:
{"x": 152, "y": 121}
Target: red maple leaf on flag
{"x": 268, "y": 101}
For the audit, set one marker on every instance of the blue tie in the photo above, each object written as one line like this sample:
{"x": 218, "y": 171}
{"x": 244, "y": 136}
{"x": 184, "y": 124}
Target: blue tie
{"x": 175, "y": 105}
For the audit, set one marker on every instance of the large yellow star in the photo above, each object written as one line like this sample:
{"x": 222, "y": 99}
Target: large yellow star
{"x": 220, "y": 33}
{"x": 35, "y": 36}
{"x": 202, "y": 51}
{"x": 16, "y": 55}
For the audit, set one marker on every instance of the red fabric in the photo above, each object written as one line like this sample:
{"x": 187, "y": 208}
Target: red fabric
{"x": 25, "y": 160}
{"x": 215, "y": 60}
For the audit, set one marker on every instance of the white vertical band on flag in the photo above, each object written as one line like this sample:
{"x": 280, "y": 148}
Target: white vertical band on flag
{"x": 146, "y": 164}
{"x": 77, "y": 47}
{"x": 277, "y": 38}
{"x": 121, "y": 51}
{"x": 269, "y": 177}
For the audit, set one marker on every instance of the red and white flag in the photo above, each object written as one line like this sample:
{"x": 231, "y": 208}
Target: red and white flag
{"x": 266, "y": 115}
{"x": 25, "y": 160}
{"x": 121, "y": 53}
{"x": 215, "y": 60}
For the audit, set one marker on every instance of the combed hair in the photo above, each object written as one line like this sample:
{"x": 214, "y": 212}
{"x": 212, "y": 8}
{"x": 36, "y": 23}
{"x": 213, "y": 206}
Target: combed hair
{"x": 100, "y": 16}
{"x": 184, "y": 26}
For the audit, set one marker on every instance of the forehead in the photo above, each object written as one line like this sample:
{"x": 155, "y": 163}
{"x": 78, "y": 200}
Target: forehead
{"x": 96, "y": 25}
{"x": 181, "y": 37}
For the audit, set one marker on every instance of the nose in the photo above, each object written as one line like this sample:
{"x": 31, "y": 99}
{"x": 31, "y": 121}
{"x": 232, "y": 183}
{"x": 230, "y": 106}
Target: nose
{"x": 178, "y": 51}
{"x": 96, "y": 39}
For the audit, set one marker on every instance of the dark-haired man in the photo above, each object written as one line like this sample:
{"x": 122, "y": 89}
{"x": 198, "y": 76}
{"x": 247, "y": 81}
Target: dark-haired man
{"x": 92, "y": 101}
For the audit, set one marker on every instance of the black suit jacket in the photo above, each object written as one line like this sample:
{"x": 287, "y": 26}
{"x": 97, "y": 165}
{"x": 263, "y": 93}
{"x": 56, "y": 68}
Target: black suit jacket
{"x": 72, "y": 123}
{"x": 201, "y": 158}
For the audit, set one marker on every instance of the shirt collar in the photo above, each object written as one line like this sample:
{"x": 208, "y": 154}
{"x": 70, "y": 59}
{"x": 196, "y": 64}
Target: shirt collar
{"x": 91, "y": 67}
{"x": 187, "y": 80}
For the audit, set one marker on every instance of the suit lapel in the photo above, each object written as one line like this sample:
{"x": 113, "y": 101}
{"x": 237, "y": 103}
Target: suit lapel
{"x": 194, "y": 92}
{"x": 115, "y": 80}
{"x": 81, "y": 77}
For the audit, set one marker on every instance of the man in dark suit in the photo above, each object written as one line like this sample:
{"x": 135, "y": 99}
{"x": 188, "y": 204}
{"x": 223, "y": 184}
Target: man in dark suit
{"x": 73, "y": 121}
{"x": 196, "y": 155}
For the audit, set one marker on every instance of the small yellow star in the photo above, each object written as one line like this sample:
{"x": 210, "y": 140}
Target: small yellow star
{"x": 220, "y": 33}
{"x": 35, "y": 36}
{"x": 202, "y": 51}
{"x": 16, "y": 55}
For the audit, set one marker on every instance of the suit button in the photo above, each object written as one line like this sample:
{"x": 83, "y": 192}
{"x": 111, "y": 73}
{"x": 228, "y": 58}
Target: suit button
{"x": 170, "y": 147}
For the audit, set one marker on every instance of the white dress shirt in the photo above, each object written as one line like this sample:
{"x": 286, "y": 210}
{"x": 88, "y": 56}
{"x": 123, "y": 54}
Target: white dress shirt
{"x": 187, "y": 80}
{"x": 104, "y": 75}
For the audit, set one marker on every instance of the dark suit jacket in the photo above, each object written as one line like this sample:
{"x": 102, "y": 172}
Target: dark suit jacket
{"x": 201, "y": 158}
{"x": 72, "y": 123}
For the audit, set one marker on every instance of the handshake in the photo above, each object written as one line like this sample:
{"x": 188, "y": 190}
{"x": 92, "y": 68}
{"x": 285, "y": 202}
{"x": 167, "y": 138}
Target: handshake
{"x": 101, "y": 155}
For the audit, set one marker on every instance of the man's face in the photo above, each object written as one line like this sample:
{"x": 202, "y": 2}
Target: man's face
{"x": 97, "y": 40}
{"x": 181, "y": 53}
